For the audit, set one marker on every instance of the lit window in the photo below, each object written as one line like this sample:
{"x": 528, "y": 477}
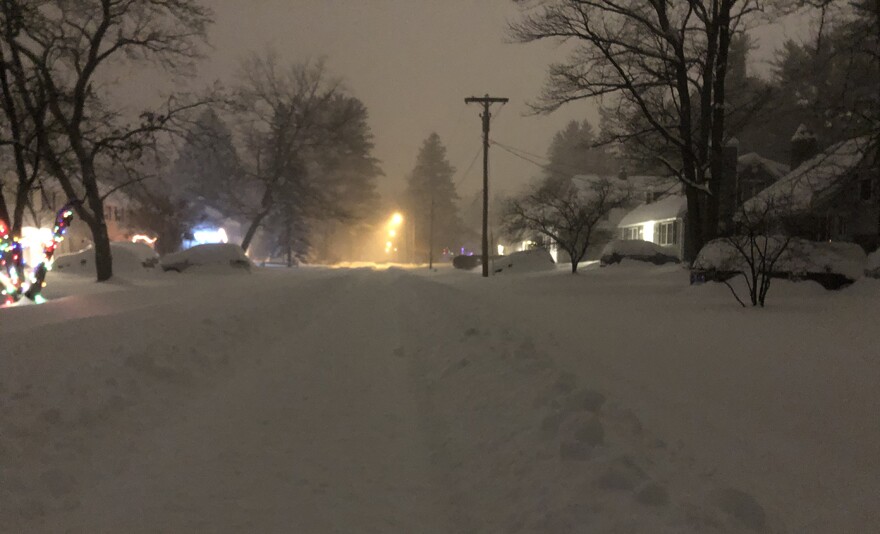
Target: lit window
{"x": 632, "y": 232}
{"x": 667, "y": 233}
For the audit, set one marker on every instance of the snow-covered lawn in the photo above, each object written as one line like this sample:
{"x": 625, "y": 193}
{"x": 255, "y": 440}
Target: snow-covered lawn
{"x": 359, "y": 400}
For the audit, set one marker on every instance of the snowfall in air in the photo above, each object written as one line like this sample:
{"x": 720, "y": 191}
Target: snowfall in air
{"x": 402, "y": 400}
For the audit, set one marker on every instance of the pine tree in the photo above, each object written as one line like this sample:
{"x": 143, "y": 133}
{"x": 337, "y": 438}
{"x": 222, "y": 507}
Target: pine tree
{"x": 573, "y": 152}
{"x": 208, "y": 171}
{"x": 431, "y": 191}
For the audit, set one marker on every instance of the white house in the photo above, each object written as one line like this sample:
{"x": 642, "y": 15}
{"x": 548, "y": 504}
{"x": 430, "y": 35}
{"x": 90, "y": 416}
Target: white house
{"x": 660, "y": 221}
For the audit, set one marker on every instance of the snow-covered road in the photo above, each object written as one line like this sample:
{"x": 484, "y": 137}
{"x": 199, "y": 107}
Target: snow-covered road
{"x": 321, "y": 400}
{"x": 313, "y": 429}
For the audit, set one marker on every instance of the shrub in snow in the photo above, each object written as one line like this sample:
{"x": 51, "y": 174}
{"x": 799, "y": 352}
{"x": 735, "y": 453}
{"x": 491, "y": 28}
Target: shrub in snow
{"x": 568, "y": 212}
{"x": 636, "y": 249}
{"x": 527, "y": 261}
{"x": 224, "y": 256}
{"x": 128, "y": 258}
{"x": 758, "y": 259}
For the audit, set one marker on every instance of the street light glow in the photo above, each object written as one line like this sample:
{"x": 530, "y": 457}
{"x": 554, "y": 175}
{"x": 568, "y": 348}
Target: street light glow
{"x": 392, "y": 232}
{"x": 396, "y": 219}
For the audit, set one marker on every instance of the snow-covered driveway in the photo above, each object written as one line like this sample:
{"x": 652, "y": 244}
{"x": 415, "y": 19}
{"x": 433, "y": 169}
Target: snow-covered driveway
{"x": 321, "y": 400}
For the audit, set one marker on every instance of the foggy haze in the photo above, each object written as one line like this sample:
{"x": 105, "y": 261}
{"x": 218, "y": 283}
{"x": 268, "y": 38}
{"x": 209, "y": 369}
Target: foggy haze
{"x": 412, "y": 64}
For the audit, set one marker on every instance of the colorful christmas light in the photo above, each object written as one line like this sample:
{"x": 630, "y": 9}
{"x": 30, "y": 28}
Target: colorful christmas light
{"x": 15, "y": 283}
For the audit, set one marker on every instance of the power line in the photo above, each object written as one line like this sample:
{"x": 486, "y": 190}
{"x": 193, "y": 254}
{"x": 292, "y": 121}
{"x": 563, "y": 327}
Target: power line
{"x": 513, "y": 152}
{"x": 464, "y": 176}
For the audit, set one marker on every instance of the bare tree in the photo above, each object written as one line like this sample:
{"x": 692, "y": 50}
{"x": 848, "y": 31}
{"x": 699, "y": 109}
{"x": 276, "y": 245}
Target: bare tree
{"x": 756, "y": 251}
{"x": 66, "y": 44}
{"x": 663, "y": 63}
{"x": 566, "y": 212}
{"x": 292, "y": 119}
{"x": 20, "y": 143}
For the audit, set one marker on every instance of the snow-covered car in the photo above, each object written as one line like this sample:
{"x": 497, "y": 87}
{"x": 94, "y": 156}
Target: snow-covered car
{"x": 636, "y": 249}
{"x": 527, "y": 261}
{"x": 832, "y": 264}
{"x": 466, "y": 262}
{"x": 214, "y": 255}
{"x": 127, "y": 258}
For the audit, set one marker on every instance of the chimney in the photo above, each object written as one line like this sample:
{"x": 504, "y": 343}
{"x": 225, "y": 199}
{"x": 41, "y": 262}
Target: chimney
{"x": 804, "y": 146}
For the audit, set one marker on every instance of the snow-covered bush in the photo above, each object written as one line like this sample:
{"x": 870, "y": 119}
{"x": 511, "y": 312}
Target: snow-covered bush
{"x": 566, "y": 212}
{"x": 758, "y": 259}
{"x": 636, "y": 249}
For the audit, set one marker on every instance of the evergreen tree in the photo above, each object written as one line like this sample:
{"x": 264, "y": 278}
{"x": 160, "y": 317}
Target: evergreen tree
{"x": 430, "y": 191}
{"x": 208, "y": 171}
{"x": 573, "y": 152}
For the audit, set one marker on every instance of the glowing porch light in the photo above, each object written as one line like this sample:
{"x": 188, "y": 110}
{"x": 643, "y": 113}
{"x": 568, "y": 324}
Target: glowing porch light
{"x": 648, "y": 231}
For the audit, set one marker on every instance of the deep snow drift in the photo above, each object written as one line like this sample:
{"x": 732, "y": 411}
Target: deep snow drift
{"x": 356, "y": 400}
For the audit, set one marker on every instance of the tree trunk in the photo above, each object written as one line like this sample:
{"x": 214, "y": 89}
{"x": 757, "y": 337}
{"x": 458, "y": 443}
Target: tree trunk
{"x": 103, "y": 254}
{"x": 693, "y": 233}
{"x": 252, "y": 230}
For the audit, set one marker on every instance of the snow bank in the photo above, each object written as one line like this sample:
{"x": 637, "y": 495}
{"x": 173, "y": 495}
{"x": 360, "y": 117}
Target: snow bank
{"x": 801, "y": 258}
{"x": 214, "y": 257}
{"x": 128, "y": 258}
{"x": 527, "y": 261}
{"x": 636, "y": 249}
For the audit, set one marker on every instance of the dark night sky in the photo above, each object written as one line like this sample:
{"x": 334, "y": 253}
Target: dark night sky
{"x": 413, "y": 62}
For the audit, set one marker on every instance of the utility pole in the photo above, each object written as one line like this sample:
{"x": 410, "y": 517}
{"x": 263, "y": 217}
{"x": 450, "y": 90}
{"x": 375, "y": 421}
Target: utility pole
{"x": 486, "y": 101}
{"x": 431, "y": 237}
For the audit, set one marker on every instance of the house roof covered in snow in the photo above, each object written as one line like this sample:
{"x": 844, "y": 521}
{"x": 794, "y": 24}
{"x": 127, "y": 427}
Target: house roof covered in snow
{"x": 669, "y": 207}
{"x": 814, "y": 179}
{"x": 753, "y": 159}
{"x": 638, "y": 183}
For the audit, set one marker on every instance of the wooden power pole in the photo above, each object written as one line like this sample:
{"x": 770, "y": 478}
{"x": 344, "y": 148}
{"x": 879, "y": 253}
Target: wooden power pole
{"x": 486, "y": 101}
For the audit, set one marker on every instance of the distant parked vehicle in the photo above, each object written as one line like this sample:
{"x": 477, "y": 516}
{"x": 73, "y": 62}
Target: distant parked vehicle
{"x": 637, "y": 250}
{"x": 215, "y": 255}
{"x": 466, "y": 262}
